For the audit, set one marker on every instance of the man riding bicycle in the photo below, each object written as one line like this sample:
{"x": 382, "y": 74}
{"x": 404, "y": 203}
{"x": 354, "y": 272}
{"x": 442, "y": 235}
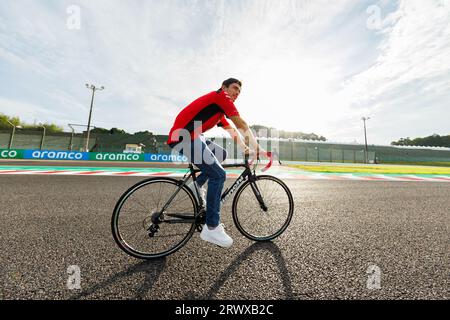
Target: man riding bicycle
{"x": 186, "y": 137}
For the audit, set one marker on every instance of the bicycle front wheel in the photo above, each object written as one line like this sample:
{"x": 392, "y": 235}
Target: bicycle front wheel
{"x": 143, "y": 229}
{"x": 262, "y": 209}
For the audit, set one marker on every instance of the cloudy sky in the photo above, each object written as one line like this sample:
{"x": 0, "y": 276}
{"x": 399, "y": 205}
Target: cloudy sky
{"x": 306, "y": 65}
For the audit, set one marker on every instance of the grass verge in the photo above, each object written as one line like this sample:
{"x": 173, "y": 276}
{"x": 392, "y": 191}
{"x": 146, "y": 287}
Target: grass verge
{"x": 395, "y": 169}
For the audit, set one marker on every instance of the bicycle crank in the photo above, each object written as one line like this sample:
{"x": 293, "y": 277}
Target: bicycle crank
{"x": 200, "y": 220}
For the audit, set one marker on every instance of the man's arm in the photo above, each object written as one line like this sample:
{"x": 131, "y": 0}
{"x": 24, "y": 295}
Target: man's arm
{"x": 244, "y": 129}
{"x": 236, "y": 137}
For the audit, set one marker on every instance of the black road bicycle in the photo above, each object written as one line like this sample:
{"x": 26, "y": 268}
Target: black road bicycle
{"x": 157, "y": 216}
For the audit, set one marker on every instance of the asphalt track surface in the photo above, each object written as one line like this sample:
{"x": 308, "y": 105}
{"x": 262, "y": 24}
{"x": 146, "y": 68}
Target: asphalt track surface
{"x": 340, "y": 233}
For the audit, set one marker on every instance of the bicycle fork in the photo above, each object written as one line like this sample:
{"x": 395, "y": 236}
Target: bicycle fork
{"x": 258, "y": 196}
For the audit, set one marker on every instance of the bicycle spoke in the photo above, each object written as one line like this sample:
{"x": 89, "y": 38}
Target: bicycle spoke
{"x": 159, "y": 195}
{"x": 134, "y": 234}
{"x": 263, "y": 191}
{"x": 153, "y": 199}
{"x": 135, "y": 210}
{"x": 140, "y": 203}
{"x": 169, "y": 235}
{"x": 130, "y": 224}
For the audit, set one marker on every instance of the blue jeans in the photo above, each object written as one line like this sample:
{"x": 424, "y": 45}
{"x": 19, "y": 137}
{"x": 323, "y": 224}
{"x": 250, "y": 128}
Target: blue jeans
{"x": 207, "y": 156}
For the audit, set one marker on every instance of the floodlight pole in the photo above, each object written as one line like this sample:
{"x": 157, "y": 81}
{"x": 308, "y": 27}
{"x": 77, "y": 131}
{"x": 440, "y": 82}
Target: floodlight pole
{"x": 93, "y": 88}
{"x": 366, "y": 151}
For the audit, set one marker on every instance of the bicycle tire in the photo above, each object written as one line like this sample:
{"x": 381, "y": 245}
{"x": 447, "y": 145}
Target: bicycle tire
{"x": 117, "y": 230}
{"x": 245, "y": 207}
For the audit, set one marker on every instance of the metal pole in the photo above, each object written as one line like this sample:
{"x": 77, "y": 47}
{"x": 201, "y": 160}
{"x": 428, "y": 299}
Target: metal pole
{"x": 42, "y": 139}
{"x": 12, "y": 134}
{"x": 366, "y": 152}
{"x": 292, "y": 150}
{"x": 365, "y": 141}
{"x": 93, "y": 88}
{"x": 71, "y": 137}
{"x": 89, "y": 121}
{"x": 12, "y": 137}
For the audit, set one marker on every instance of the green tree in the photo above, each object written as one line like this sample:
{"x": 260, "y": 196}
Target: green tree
{"x": 117, "y": 131}
{"x": 100, "y": 130}
{"x": 4, "y": 121}
{"x": 144, "y": 132}
{"x": 434, "y": 140}
{"x": 50, "y": 127}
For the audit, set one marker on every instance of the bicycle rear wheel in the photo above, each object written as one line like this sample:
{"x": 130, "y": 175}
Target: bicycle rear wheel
{"x": 138, "y": 227}
{"x": 263, "y": 209}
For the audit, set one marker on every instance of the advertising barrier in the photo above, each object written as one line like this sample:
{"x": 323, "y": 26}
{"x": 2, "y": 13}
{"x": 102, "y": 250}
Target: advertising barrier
{"x": 84, "y": 156}
{"x": 11, "y": 154}
{"x": 112, "y": 156}
{"x": 157, "y": 157}
{"x": 55, "y": 155}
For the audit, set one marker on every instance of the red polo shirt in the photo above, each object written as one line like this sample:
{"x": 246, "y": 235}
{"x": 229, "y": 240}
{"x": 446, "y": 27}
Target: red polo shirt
{"x": 204, "y": 113}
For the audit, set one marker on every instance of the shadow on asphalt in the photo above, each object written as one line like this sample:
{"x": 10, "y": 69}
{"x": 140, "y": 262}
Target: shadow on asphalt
{"x": 228, "y": 272}
{"x": 152, "y": 270}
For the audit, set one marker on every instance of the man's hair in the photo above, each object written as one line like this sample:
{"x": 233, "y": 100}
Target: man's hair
{"x": 230, "y": 81}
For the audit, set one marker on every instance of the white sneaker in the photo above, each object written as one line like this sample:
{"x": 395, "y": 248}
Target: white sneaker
{"x": 201, "y": 190}
{"x": 216, "y": 236}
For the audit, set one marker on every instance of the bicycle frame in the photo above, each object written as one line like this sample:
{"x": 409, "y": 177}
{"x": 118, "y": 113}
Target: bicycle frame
{"x": 247, "y": 174}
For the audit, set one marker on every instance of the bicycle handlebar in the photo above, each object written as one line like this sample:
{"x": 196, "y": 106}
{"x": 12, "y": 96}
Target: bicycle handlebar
{"x": 270, "y": 157}
{"x": 267, "y": 167}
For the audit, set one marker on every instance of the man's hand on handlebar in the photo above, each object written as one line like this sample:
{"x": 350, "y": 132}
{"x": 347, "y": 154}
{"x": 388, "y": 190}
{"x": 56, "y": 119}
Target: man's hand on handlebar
{"x": 250, "y": 152}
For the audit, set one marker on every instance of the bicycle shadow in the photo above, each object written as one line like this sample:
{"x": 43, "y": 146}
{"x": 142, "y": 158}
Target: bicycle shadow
{"x": 234, "y": 266}
{"x": 151, "y": 269}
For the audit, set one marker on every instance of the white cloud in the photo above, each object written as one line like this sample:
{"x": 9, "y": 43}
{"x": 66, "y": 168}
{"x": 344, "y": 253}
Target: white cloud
{"x": 310, "y": 66}
{"x": 27, "y": 112}
{"x": 408, "y": 78}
